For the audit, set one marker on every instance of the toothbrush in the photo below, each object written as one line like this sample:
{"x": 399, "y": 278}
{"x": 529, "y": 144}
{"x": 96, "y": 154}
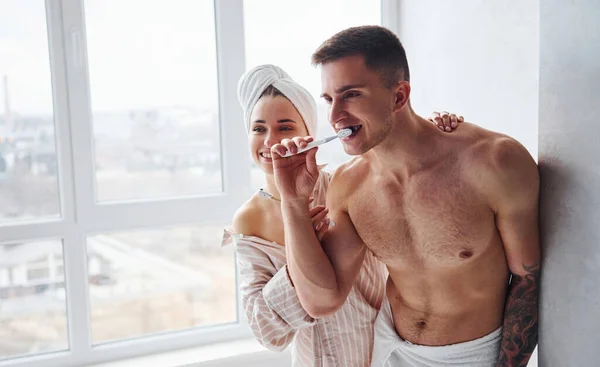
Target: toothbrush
{"x": 341, "y": 134}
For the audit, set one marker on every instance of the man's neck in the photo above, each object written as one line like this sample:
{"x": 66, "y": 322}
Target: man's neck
{"x": 410, "y": 145}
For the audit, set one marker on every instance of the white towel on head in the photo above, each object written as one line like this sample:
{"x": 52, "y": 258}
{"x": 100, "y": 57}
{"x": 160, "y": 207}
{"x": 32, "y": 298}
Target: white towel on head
{"x": 254, "y": 82}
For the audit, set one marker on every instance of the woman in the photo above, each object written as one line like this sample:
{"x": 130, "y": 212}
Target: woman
{"x": 276, "y": 107}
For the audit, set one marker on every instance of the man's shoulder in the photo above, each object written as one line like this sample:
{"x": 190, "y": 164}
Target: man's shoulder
{"x": 346, "y": 180}
{"x": 349, "y": 173}
{"x": 495, "y": 152}
{"x": 500, "y": 165}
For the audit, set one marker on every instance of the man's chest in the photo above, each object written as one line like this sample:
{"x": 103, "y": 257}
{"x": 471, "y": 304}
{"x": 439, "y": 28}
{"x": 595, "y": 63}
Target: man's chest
{"x": 435, "y": 217}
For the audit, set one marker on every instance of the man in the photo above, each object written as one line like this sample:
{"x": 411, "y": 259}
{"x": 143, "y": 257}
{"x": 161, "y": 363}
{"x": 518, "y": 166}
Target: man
{"x": 452, "y": 216}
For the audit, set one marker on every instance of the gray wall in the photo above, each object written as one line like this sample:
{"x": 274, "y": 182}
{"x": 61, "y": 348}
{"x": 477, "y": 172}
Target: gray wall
{"x": 569, "y": 157}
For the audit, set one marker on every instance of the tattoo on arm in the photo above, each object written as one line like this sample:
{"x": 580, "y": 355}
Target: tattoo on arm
{"x": 519, "y": 334}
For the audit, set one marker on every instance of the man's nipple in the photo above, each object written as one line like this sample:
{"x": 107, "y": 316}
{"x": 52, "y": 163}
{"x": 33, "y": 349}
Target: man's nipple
{"x": 465, "y": 254}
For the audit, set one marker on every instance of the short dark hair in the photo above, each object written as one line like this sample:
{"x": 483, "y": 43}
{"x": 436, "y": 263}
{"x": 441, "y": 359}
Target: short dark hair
{"x": 382, "y": 50}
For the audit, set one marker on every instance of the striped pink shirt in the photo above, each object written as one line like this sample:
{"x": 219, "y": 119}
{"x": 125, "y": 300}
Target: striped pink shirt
{"x": 277, "y": 318}
{"x": 274, "y": 312}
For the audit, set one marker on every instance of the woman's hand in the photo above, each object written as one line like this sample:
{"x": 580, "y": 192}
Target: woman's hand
{"x": 320, "y": 222}
{"x": 295, "y": 176}
{"x": 445, "y": 120}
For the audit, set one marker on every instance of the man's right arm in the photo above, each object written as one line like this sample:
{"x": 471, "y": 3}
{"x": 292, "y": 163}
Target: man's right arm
{"x": 322, "y": 273}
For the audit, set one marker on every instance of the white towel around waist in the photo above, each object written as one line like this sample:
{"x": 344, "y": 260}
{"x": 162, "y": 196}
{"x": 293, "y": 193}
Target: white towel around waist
{"x": 389, "y": 350}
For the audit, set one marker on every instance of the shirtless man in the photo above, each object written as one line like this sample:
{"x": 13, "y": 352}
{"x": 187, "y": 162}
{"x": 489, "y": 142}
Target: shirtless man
{"x": 452, "y": 216}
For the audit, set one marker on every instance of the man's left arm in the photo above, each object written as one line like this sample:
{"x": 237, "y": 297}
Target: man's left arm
{"x": 516, "y": 205}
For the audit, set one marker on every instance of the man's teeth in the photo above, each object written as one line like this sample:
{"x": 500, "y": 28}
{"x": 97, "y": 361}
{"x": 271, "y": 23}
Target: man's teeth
{"x": 265, "y": 155}
{"x": 355, "y": 128}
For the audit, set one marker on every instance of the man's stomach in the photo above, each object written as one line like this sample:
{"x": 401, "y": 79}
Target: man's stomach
{"x": 446, "y": 307}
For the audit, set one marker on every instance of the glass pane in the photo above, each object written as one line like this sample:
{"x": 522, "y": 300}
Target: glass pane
{"x": 28, "y": 165}
{"x": 160, "y": 280}
{"x": 154, "y": 92}
{"x": 33, "y": 313}
{"x": 299, "y": 36}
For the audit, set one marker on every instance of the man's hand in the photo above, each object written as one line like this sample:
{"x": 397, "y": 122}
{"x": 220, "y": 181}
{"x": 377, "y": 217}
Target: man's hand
{"x": 445, "y": 121}
{"x": 295, "y": 176}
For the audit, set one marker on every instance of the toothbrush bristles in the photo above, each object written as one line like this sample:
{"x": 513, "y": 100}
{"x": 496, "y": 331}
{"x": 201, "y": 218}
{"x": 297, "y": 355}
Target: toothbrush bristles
{"x": 344, "y": 133}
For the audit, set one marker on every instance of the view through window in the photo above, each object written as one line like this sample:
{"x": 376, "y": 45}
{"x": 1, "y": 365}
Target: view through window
{"x": 159, "y": 280}
{"x": 33, "y": 316}
{"x": 154, "y": 94}
{"x": 28, "y": 165}
{"x": 155, "y": 111}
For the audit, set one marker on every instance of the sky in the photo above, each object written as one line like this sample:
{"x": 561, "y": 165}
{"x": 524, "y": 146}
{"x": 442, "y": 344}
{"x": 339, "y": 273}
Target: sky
{"x": 24, "y": 55}
{"x": 148, "y": 53}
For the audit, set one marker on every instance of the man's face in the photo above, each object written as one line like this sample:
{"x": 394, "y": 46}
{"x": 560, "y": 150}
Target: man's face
{"x": 357, "y": 99}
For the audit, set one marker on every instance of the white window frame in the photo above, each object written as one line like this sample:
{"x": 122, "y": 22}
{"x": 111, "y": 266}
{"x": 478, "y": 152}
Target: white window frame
{"x": 82, "y": 216}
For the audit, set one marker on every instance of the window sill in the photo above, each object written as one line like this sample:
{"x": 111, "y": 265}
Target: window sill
{"x": 245, "y": 352}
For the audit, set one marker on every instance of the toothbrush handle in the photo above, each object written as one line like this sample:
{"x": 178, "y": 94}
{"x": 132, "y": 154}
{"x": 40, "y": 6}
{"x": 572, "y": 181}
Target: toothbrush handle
{"x": 309, "y": 146}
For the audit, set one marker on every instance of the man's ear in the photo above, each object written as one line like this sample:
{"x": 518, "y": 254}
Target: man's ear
{"x": 401, "y": 94}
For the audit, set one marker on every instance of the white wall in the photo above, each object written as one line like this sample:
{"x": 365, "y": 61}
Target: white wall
{"x": 478, "y": 58}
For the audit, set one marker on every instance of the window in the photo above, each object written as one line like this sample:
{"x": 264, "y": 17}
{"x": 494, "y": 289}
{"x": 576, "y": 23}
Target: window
{"x": 289, "y": 42}
{"x": 33, "y": 317}
{"x": 159, "y": 280}
{"x": 158, "y": 133}
{"x": 28, "y": 179}
{"x": 122, "y": 159}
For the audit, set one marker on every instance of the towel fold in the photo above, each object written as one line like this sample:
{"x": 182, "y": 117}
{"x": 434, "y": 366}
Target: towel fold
{"x": 389, "y": 350}
{"x": 254, "y": 82}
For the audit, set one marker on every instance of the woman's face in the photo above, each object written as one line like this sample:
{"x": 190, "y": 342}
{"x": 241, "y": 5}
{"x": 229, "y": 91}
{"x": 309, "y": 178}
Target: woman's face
{"x": 272, "y": 120}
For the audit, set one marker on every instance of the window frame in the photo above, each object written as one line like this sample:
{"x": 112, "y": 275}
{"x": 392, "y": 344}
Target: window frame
{"x": 81, "y": 216}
